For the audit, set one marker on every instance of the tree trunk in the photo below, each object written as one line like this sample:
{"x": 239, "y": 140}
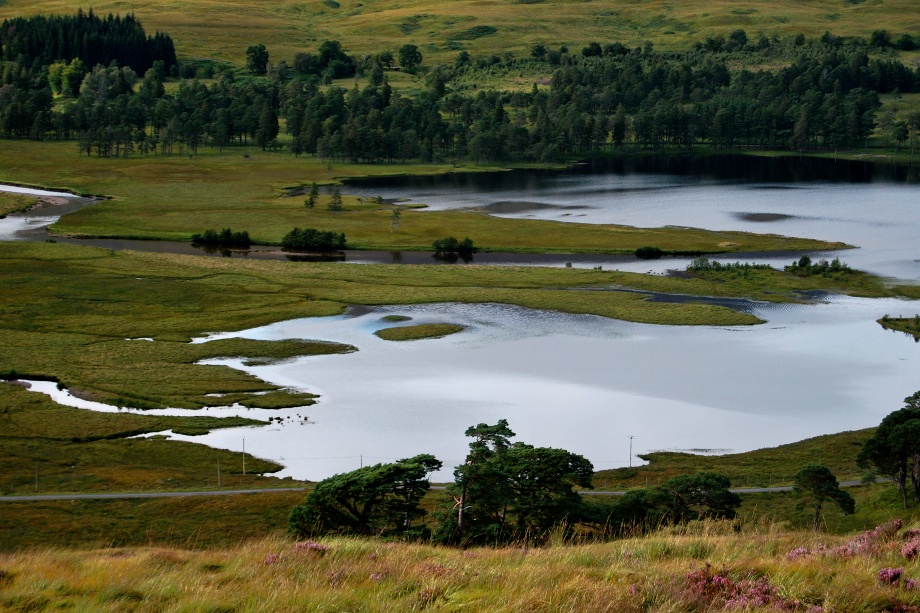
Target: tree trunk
{"x": 817, "y": 517}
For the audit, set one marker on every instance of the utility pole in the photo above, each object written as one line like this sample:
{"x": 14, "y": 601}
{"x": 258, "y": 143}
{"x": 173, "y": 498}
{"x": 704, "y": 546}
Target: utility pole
{"x": 362, "y": 460}
{"x": 631, "y": 437}
{"x": 244, "y": 456}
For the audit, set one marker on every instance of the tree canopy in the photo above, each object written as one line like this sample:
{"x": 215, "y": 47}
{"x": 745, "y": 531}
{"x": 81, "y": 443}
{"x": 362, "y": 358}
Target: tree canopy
{"x": 895, "y": 448}
{"x": 371, "y": 500}
{"x": 817, "y": 485}
{"x": 511, "y": 491}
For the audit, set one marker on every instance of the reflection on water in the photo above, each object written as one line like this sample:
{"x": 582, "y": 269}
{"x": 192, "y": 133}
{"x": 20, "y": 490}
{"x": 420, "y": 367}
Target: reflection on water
{"x": 875, "y": 207}
{"x": 582, "y": 383}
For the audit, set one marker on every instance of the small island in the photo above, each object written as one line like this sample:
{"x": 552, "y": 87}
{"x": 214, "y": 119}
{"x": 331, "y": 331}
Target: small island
{"x": 418, "y": 332}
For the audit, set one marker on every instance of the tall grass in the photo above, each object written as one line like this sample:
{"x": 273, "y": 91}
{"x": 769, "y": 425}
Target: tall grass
{"x": 706, "y": 567}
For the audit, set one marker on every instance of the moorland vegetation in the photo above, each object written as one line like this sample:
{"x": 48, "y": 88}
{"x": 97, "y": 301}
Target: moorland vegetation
{"x": 79, "y": 316}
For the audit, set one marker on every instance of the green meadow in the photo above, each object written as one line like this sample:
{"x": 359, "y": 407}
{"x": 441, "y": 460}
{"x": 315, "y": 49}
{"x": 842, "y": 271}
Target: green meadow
{"x": 79, "y": 314}
{"x": 171, "y": 198}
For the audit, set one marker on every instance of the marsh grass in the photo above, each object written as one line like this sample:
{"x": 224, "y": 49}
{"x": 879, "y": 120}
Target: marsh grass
{"x": 172, "y": 198}
{"x": 14, "y": 203}
{"x": 75, "y": 450}
{"x": 418, "y": 332}
{"x": 72, "y": 309}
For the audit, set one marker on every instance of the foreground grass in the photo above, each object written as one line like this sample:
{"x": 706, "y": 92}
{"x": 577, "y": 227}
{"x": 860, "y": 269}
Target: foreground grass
{"x": 209, "y": 28}
{"x": 668, "y": 571}
{"x": 175, "y": 197}
{"x": 418, "y": 332}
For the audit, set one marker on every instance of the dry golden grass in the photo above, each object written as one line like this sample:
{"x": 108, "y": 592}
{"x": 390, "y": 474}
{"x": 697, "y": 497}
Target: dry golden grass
{"x": 224, "y": 28}
{"x": 661, "y": 572}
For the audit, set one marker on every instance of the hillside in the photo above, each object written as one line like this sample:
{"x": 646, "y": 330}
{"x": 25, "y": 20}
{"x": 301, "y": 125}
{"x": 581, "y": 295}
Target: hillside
{"x": 211, "y": 28}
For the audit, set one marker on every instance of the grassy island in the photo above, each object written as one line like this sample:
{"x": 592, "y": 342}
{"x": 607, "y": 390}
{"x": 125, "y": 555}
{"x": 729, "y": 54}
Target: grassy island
{"x": 418, "y": 332}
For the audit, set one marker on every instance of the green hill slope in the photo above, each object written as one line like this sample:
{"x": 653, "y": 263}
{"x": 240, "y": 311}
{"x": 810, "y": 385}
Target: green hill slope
{"x": 222, "y": 29}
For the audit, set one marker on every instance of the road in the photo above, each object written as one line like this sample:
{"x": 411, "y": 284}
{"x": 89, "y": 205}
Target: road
{"x": 130, "y": 495}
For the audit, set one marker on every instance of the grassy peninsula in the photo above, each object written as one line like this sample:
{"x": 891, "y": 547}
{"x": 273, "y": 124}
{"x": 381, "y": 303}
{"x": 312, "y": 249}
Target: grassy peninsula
{"x": 172, "y": 198}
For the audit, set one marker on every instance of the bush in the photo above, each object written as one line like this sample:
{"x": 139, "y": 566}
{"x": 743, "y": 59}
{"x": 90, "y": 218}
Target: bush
{"x": 452, "y": 245}
{"x": 805, "y": 267}
{"x": 226, "y": 239}
{"x": 310, "y": 239}
{"x": 649, "y": 253}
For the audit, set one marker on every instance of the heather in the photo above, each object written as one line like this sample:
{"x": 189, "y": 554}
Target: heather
{"x": 703, "y": 566}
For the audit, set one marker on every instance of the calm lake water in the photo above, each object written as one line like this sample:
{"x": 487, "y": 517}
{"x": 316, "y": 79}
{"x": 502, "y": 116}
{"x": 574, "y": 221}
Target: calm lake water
{"x": 587, "y": 383}
{"x": 873, "y": 207}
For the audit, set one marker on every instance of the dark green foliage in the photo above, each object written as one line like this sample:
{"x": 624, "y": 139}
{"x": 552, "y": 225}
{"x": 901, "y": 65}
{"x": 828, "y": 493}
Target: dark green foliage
{"x": 825, "y": 96}
{"x": 817, "y": 485}
{"x": 310, "y": 239}
{"x": 689, "y": 497}
{"x": 310, "y": 202}
{"x": 704, "y": 264}
{"x": 226, "y": 238}
{"x": 680, "y": 499}
{"x": 649, "y": 253}
{"x": 895, "y": 448}
{"x": 507, "y": 492}
{"x": 42, "y": 40}
{"x": 257, "y": 59}
{"x": 805, "y": 267}
{"x": 452, "y": 245}
{"x": 335, "y": 201}
{"x": 330, "y": 63}
{"x": 410, "y": 58}
{"x": 371, "y": 500}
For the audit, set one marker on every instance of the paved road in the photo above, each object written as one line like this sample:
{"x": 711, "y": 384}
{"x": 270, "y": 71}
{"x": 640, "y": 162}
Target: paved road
{"x": 129, "y": 495}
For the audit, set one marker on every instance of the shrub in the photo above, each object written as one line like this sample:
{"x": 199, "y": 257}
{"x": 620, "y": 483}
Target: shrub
{"x": 226, "y": 238}
{"x": 452, "y": 245}
{"x": 649, "y": 253}
{"x": 310, "y": 239}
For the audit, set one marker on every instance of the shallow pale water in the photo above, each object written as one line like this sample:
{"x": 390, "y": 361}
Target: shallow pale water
{"x": 587, "y": 383}
{"x": 582, "y": 383}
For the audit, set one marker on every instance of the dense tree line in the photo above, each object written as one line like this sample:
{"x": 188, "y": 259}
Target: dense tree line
{"x": 42, "y": 41}
{"x": 503, "y": 492}
{"x": 824, "y": 96}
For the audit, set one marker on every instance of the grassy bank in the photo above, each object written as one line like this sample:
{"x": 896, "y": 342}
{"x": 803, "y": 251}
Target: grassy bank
{"x": 207, "y": 28}
{"x": 14, "y": 203}
{"x": 75, "y": 309}
{"x": 760, "y": 468}
{"x": 48, "y": 448}
{"x": 175, "y": 197}
{"x": 703, "y": 568}
{"x": 908, "y": 325}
